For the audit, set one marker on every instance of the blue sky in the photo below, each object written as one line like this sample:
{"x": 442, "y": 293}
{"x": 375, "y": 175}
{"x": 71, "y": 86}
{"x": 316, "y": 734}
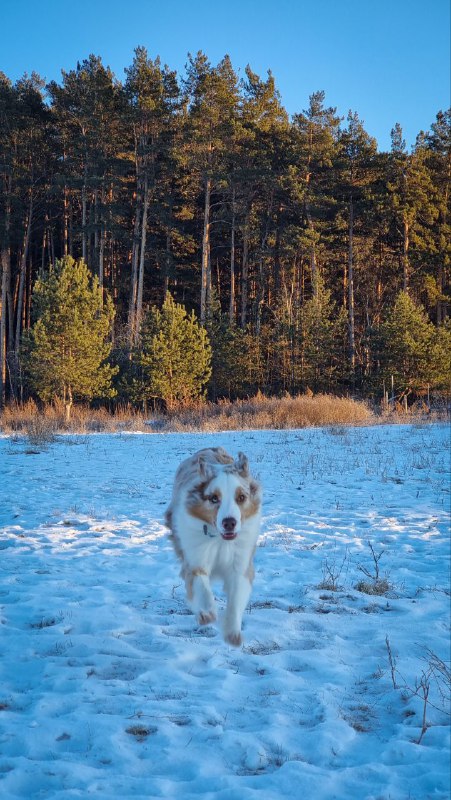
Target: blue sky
{"x": 386, "y": 59}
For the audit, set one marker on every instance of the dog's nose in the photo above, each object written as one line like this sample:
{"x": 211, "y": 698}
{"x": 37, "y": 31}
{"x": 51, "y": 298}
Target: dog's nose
{"x": 229, "y": 524}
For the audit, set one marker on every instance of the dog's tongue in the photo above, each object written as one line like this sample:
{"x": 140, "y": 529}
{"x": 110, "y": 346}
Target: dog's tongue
{"x": 229, "y": 535}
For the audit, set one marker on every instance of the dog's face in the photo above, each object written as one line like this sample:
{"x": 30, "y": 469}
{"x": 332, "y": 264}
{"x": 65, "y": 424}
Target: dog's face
{"x": 225, "y": 497}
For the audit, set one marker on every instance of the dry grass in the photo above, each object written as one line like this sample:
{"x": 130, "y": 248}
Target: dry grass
{"x": 41, "y": 424}
{"x": 141, "y": 732}
{"x": 261, "y": 412}
{"x": 378, "y": 587}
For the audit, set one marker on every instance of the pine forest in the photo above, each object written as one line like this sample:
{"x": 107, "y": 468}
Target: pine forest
{"x": 168, "y": 238}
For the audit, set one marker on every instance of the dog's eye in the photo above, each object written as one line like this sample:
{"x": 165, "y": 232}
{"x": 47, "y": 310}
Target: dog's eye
{"x": 241, "y": 498}
{"x": 214, "y": 499}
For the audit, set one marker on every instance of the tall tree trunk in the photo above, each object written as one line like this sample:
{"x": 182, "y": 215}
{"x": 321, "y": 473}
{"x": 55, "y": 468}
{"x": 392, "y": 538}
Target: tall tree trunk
{"x": 44, "y": 245}
{"x": 210, "y": 284}
{"x": 65, "y": 222}
{"x": 22, "y": 277}
{"x": 6, "y": 304}
{"x": 28, "y": 293}
{"x": 84, "y": 244}
{"x": 102, "y": 255}
{"x": 245, "y": 269}
{"x": 96, "y": 228}
{"x": 259, "y": 297}
{"x": 232, "y": 264}
{"x": 405, "y": 256}
{"x": 167, "y": 263}
{"x": 276, "y": 274}
{"x": 84, "y": 202}
{"x": 51, "y": 246}
{"x": 313, "y": 264}
{"x": 134, "y": 275}
{"x": 351, "y": 322}
{"x": 261, "y": 272}
{"x": 6, "y": 280}
{"x": 102, "y": 237}
{"x": 142, "y": 255}
{"x": 206, "y": 267}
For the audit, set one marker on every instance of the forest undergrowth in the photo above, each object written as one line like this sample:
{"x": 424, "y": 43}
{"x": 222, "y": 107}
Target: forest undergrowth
{"x": 42, "y": 422}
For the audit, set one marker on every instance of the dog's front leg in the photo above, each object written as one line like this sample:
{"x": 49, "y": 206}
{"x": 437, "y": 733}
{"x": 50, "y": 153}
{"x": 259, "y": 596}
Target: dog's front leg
{"x": 238, "y": 590}
{"x": 200, "y": 596}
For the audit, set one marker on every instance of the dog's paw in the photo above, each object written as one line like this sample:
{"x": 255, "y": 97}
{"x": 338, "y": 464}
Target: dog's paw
{"x": 206, "y": 617}
{"x": 234, "y": 638}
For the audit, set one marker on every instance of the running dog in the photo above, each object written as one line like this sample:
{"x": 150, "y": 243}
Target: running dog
{"x": 214, "y": 519}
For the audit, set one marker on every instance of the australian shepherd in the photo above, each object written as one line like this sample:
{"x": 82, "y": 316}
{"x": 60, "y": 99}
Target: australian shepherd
{"x": 214, "y": 518}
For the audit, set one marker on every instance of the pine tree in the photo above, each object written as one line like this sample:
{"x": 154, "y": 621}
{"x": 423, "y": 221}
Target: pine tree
{"x": 357, "y": 154}
{"x": 25, "y": 166}
{"x": 152, "y": 94}
{"x": 316, "y": 130}
{"x": 212, "y": 101}
{"x": 175, "y": 357}
{"x": 9, "y": 132}
{"x": 265, "y": 122}
{"x": 86, "y": 110}
{"x": 438, "y": 160}
{"x": 235, "y": 356}
{"x": 321, "y": 346}
{"x": 66, "y": 350}
{"x": 411, "y": 193}
{"x": 412, "y": 349}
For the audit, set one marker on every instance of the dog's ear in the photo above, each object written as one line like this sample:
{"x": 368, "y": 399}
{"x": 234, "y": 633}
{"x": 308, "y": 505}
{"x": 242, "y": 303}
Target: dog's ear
{"x": 204, "y": 468}
{"x": 254, "y": 488}
{"x": 242, "y": 465}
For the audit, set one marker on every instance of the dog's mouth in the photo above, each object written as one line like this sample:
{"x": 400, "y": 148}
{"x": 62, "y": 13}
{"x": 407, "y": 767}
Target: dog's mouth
{"x": 228, "y": 536}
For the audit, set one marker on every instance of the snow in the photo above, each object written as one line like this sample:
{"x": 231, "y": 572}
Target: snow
{"x": 108, "y": 688}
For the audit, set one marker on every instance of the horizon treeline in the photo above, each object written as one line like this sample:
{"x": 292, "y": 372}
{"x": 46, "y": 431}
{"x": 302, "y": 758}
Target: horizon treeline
{"x": 292, "y": 240}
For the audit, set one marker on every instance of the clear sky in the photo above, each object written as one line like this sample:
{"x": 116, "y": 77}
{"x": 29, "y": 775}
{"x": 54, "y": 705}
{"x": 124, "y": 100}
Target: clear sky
{"x": 389, "y": 60}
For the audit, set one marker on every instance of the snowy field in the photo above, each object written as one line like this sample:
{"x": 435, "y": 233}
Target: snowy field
{"x": 108, "y": 688}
